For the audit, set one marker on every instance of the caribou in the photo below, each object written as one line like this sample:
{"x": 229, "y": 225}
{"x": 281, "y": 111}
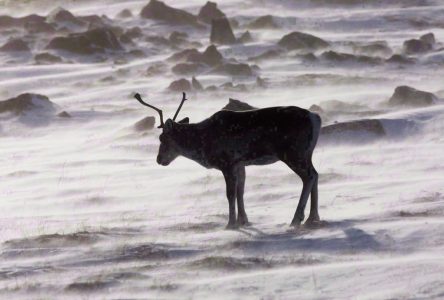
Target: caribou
{"x": 230, "y": 140}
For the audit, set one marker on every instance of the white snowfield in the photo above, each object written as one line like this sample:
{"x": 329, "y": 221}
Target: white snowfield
{"x": 86, "y": 212}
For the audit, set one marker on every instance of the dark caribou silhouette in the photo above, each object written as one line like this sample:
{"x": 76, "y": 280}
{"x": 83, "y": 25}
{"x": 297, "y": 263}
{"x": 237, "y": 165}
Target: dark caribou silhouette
{"x": 229, "y": 141}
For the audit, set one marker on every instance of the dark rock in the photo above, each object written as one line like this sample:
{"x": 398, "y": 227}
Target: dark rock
{"x": 181, "y": 85}
{"x": 211, "y": 88}
{"x": 39, "y": 27}
{"x": 160, "y": 11}
{"x": 424, "y": 44}
{"x": 428, "y": 38}
{"x": 209, "y": 12}
{"x": 8, "y": 21}
{"x": 229, "y": 86}
{"x": 221, "y": 32}
{"x": 15, "y": 45}
{"x": 26, "y": 102}
{"x": 158, "y": 40}
{"x": 187, "y": 68}
{"x": 350, "y": 58}
{"x": 264, "y": 22}
{"x": 47, "y": 58}
{"x": 145, "y": 124}
{"x": 408, "y": 96}
{"x": 134, "y": 32}
{"x": 237, "y": 105}
{"x": 361, "y": 130}
{"x": 178, "y": 38}
{"x": 374, "y": 48}
{"x": 125, "y": 14}
{"x": 234, "y": 69}
{"x": 184, "y": 55}
{"x": 269, "y": 54}
{"x": 63, "y": 17}
{"x": 400, "y": 59}
{"x": 64, "y": 114}
{"x": 302, "y": 41}
{"x": 245, "y": 37}
{"x": 196, "y": 84}
{"x": 211, "y": 56}
{"x": 89, "y": 42}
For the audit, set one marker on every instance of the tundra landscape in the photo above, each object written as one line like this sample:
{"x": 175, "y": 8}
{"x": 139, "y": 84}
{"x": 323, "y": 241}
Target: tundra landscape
{"x": 86, "y": 212}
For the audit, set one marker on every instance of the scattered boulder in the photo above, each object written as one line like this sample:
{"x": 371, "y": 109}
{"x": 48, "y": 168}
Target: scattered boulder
{"x": 237, "y": 105}
{"x": 302, "y": 41}
{"x": 8, "y": 21}
{"x": 146, "y": 123}
{"x": 47, "y": 58}
{"x": 64, "y": 18}
{"x": 374, "y": 48}
{"x": 125, "y": 14}
{"x": 209, "y": 12}
{"x": 64, "y": 114}
{"x": 400, "y": 59}
{"x": 261, "y": 82}
{"x": 178, "y": 38}
{"x": 358, "y": 131}
{"x": 264, "y": 22}
{"x": 221, "y": 32}
{"x": 134, "y": 32}
{"x": 181, "y": 85}
{"x": 196, "y": 84}
{"x": 33, "y": 27}
{"x": 269, "y": 54}
{"x": 15, "y": 45}
{"x": 158, "y": 10}
{"x": 424, "y": 44}
{"x": 350, "y": 58}
{"x": 234, "y": 69}
{"x": 184, "y": 55}
{"x": 245, "y": 37}
{"x": 26, "y": 102}
{"x": 408, "y": 96}
{"x": 211, "y": 56}
{"x": 88, "y": 42}
{"x": 187, "y": 68}
{"x": 156, "y": 69}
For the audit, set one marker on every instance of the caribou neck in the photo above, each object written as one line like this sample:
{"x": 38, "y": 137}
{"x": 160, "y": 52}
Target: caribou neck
{"x": 189, "y": 141}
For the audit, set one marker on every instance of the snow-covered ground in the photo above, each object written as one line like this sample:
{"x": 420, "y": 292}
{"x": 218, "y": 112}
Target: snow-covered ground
{"x": 86, "y": 212}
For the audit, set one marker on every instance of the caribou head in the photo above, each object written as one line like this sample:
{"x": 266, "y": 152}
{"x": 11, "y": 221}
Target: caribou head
{"x": 168, "y": 150}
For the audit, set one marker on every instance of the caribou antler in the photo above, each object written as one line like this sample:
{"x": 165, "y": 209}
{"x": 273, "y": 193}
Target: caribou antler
{"x": 180, "y": 106}
{"x": 137, "y": 96}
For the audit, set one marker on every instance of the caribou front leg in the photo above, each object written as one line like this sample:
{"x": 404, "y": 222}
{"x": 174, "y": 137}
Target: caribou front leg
{"x": 230, "y": 176}
{"x": 242, "y": 219}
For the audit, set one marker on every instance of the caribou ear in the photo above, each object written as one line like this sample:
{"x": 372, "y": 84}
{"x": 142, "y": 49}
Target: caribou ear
{"x": 185, "y": 121}
{"x": 168, "y": 125}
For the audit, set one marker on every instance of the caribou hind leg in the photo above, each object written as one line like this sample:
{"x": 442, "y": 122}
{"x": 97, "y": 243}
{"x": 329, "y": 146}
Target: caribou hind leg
{"x": 313, "y": 217}
{"x": 242, "y": 219}
{"x": 304, "y": 168}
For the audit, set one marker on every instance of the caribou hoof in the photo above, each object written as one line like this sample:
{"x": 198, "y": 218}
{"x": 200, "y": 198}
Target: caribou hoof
{"x": 242, "y": 222}
{"x": 314, "y": 223}
{"x": 296, "y": 223}
{"x": 232, "y": 226}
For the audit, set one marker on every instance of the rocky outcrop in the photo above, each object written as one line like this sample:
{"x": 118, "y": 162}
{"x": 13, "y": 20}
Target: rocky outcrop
{"x": 8, "y": 21}
{"x": 64, "y": 114}
{"x": 125, "y": 14}
{"x": 337, "y": 57}
{"x": 209, "y": 12}
{"x": 181, "y": 85}
{"x": 234, "y": 69}
{"x": 237, "y": 105}
{"x": 400, "y": 59}
{"x": 47, "y": 58}
{"x": 26, "y": 103}
{"x": 86, "y": 43}
{"x": 367, "y": 130}
{"x": 221, "y": 32}
{"x": 196, "y": 84}
{"x": 264, "y": 22}
{"x": 158, "y": 10}
{"x": 187, "y": 68}
{"x": 302, "y": 41}
{"x": 269, "y": 54}
{"x": 245, "y": 37}
{"x": 408, "y": 96}
{"x": 64, "y": 18}
{"x": 15, "y": 45}
{"x": 211, "y": 56}
{"x": 146, "y": 123}
{"x": 424, "y": 44}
